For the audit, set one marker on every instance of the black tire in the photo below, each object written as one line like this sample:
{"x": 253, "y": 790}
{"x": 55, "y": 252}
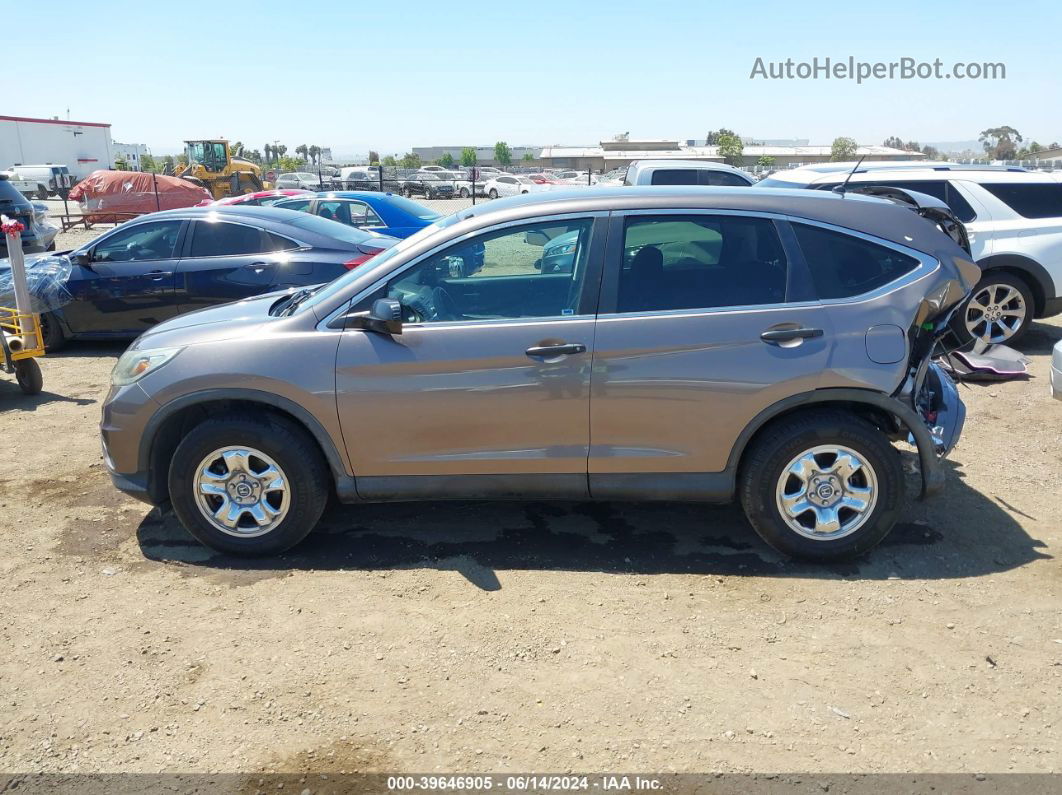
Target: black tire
{"x": 295, "y": 453}
{"x": 63, "y": 194}
{"x": 28, "y": 374}
{"x": 493, "y": 194}
{"x": 464, "y": 194}
{"x": 991, "y": 280}
{"x": 765, "y": 461}
{"x": 42, "y": 193}
{"x": 51, "y": 246}
{"x": 409, "y": 193}
{"x": 52, "y": 333}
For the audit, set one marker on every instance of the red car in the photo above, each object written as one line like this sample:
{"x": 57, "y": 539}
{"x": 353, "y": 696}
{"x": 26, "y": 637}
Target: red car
{"x": 263, "y": 198}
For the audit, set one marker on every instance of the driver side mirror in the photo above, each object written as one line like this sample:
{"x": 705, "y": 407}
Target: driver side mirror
{"x": 385, "y": 317}
{"x": 83, "y": 258}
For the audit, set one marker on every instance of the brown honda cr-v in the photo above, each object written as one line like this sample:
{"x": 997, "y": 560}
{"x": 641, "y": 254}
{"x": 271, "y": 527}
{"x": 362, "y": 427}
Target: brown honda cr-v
{"x": 632, "y": 343}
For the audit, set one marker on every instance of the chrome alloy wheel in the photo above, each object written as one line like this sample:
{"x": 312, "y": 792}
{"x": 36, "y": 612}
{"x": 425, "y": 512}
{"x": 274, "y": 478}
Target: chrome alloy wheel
{"x": 241, "y": 491}
{"x": 995, "y": 313}
{"x": 827, "y": 492}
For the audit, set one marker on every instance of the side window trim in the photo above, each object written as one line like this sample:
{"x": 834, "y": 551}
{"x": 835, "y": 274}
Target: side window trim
{"x": 591, "y": 282}
{"x": 926, "y": 263}
{"x": 609, "y": 301}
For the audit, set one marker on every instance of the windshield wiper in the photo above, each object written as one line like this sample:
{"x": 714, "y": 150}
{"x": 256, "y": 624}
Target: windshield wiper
{"x": 297, "y": 298}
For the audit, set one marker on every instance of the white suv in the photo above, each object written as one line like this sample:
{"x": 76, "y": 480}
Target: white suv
{"x": 1014, "y": 220}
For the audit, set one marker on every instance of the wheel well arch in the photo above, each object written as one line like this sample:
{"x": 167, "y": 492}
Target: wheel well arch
{"x": 171, "y": 423}
{"x": 892, "y": 417}
{"x": 1029, "y": 271}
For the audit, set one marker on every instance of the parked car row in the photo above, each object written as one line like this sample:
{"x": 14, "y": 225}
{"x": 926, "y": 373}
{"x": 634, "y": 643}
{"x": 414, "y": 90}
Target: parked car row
{"x": 456, "y": 362}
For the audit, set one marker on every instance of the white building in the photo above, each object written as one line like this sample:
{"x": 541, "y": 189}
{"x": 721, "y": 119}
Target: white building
{"x": 130, "y": 153}
{"x": 81, "y": 146}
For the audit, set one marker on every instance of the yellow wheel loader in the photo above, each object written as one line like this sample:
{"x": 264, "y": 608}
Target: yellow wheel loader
{"x": 212, "y": 165}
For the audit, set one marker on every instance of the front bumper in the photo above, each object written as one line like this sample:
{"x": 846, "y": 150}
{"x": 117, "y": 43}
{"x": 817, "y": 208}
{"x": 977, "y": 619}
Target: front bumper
{"x": 126, "y": 411}
{"x": 1056, "y": 372}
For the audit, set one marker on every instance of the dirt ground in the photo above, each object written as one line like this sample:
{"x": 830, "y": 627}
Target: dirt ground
{"x": 528, "y": 637}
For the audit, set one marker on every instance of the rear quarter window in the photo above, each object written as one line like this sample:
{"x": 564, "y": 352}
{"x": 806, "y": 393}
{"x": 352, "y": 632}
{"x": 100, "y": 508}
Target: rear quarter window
{"x": 1037, "y": 200}
{"x": 844, "y": 266}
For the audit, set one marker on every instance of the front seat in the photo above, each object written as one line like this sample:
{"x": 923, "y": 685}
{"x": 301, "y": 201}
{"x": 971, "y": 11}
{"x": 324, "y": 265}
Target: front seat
{"x": 643, "y": 283}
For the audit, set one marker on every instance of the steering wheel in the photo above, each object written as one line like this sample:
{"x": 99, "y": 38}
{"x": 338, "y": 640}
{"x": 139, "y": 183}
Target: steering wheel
{"x": 445, "y": 307}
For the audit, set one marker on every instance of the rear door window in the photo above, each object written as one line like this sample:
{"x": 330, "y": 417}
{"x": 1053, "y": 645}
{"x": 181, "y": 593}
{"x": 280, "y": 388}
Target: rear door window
{"x": 843, "y": 265}
{"x": 1029, "y": 200}
{"x": 700, "y": 262}
{"x": 218, "y": 239}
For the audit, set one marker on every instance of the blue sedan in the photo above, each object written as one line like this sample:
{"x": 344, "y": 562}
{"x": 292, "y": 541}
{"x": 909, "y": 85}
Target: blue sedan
{"x": 164, "y": 264}
{"x": 385, "y": 213}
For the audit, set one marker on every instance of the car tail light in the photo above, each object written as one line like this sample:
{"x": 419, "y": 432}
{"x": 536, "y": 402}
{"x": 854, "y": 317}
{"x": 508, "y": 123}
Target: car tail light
{"x": 365, "y": 253}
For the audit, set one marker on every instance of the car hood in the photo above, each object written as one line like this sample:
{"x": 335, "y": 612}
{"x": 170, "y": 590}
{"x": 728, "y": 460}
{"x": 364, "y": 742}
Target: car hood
{"x": 216, "y": 323}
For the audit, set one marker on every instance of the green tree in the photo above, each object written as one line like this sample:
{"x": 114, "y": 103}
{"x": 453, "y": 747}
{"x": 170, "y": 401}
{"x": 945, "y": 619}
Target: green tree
{"x": 150, "y": 164}
{"x": 236, "y": 149}
{"x": 315, "y": 153}
{"x": 374, "y": 158}
{"x": 1000, "y": 143}
{"x": 254, "y": 156}
{"x": 894, "y": 142}
{"x": 168, "y": 164}
{"x": 843, "y": 149}
{"x": 529, "y": 156}
{"x": 765, "y": 161}
{"x": 303, "y": 150}
{"x": 120, "y": 164}
{"x": 712, "y": 138}
{"x": 931, "y": 152}
{"x": 730, "y": 148}
{"x": 468, "y": 157}
{"x": 280, "y": 150}
{"x": 291, "y": 163}
{"x": 446, "y": 161}
{"x": 410, "y": 160}
{"x": 503, "y": 155}
{"x": 390, "y": 161}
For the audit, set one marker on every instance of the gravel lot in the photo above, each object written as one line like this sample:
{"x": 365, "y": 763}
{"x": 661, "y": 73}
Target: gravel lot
{"x": 528, "y": 636}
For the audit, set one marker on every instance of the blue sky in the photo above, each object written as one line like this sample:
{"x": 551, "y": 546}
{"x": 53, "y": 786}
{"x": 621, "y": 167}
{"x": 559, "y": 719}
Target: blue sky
{"x": 393, "y": 75}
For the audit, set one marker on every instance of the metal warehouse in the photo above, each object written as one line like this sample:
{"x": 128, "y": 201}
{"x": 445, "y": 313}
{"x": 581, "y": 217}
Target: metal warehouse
{"x": 81, "y": 146}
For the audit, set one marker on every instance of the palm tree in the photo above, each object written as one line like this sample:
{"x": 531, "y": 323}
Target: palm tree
{"x": 303, "y": 150}
{"x": 314, "y": 151}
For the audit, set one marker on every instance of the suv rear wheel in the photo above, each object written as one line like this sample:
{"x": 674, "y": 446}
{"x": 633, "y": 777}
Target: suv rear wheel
{"x": 822, "y": 486}
{"x": 248, "y": 486}
{"x": 999, "y": 310}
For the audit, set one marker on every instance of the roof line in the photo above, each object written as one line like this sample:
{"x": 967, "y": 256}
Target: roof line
{"x": 55, "y": 121}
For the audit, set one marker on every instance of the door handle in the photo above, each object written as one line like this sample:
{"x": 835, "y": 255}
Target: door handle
{"x": 158, "y": 276}
{"x": 562, "y": 349}
{"x": 258, "y": 267}
{"x": 788, "y": 334}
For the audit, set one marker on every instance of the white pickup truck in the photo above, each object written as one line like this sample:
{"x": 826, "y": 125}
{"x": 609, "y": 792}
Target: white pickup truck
{"x": 30, "y": 188}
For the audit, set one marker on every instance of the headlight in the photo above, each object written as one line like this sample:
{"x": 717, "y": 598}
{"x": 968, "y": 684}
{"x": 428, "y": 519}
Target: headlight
{"x": 134, "y": 365}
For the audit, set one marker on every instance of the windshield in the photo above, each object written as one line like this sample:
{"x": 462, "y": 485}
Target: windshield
{"x": 338, "y": 284}
{"x": 771, "y": 182}
{"x": 413, "y": 208}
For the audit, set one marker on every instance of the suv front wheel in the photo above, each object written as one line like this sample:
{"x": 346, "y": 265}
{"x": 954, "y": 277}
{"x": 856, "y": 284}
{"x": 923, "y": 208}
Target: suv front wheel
{"x": 999, "y": 310}
{"x": 248, "y": 485}
{"x": 822, "y": 486}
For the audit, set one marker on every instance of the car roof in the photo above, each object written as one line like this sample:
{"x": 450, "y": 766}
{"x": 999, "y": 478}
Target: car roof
{"x": 666, "y": 163}
{"x": 813, "y": 175}
{"x": 873, "y": 216}
{"x": 234, "y": 211}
